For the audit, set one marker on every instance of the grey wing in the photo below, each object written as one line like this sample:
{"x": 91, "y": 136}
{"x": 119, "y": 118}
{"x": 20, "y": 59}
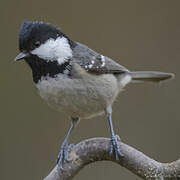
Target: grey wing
{"x": 94, "y": 62}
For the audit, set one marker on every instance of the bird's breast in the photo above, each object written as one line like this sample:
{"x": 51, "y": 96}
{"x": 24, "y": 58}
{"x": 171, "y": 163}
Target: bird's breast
{"x": 79, "y": 97}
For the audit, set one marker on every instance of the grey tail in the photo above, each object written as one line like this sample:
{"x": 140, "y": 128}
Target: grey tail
{"x": 151, "y": 76}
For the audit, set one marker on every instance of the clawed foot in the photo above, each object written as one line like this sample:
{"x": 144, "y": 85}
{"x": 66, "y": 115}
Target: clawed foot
{"x": 64, "y": 154}
{"x": 115, "y": 148}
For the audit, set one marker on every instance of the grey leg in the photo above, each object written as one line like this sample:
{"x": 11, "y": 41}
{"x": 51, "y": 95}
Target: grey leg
{"x": 114, "y": 140}
{"x": 63, "y": 154}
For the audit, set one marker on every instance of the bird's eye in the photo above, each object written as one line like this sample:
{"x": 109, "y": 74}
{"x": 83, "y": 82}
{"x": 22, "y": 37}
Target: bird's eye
{"x": 37, "y": 44}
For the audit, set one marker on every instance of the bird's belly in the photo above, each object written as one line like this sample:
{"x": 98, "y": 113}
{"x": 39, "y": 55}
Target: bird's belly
{"x": 82, "y": 98}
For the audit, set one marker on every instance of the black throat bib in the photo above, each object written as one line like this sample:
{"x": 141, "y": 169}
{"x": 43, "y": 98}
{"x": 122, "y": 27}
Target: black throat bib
{"x": 42, "y": 68}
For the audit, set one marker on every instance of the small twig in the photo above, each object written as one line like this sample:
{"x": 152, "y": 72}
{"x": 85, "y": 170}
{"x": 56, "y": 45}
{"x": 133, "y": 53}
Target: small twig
{"x": 97, "y": 149}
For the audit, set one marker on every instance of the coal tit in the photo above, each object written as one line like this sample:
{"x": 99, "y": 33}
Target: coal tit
{"x": 74, "y": 79}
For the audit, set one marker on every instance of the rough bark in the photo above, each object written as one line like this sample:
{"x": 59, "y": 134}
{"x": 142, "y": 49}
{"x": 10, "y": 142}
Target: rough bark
{"x": 97, "y": 149}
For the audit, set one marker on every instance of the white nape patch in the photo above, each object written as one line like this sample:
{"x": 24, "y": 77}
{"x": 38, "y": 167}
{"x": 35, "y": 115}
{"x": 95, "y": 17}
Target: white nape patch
{"x": 54, "y": 49}
{"x": 125, "y": 80}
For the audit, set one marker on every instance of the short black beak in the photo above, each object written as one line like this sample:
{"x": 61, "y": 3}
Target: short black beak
{"x": 21, "y": 55}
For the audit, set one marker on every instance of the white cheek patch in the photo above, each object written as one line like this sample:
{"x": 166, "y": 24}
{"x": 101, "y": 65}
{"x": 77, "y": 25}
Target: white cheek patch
{"x": 54, "y": 49}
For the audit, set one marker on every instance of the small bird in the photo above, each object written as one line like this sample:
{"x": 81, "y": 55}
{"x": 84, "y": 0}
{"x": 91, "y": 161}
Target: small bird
{"x": 74, "y": 79}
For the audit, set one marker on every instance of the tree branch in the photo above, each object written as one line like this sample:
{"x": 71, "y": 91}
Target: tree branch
{"x": 97, "y": 149}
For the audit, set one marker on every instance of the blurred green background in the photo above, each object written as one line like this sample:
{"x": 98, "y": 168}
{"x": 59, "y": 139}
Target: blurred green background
{"x": 139, "y": 34}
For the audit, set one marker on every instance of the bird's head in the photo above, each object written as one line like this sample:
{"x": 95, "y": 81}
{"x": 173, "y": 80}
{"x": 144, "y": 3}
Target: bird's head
{"x": 44, "y": 41}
